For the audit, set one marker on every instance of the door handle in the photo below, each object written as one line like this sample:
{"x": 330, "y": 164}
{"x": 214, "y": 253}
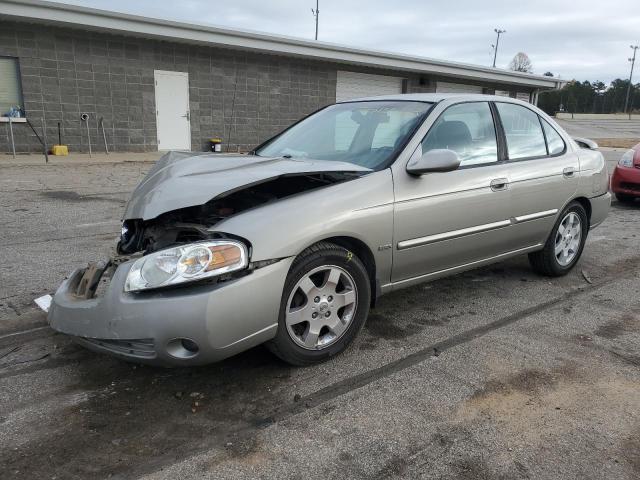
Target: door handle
{"x": 499, "y": 184}
{"x": 187, "y": 116}
{"x": 569, "y": 172}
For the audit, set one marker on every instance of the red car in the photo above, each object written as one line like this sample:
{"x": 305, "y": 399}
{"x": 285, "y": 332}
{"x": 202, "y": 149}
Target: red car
{"x": 625, "y": 182}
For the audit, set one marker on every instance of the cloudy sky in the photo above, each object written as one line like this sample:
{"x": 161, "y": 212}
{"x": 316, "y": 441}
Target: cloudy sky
{"x": 586, "y": 40}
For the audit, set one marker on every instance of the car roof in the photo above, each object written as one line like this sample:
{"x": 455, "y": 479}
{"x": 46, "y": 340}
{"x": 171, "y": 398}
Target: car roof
{"x": 436, "y": 97}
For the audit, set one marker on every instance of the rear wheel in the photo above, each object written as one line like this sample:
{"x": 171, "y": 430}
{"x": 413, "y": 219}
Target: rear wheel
{"x": 564, "y": 246}
{"x": 324, "y": 305}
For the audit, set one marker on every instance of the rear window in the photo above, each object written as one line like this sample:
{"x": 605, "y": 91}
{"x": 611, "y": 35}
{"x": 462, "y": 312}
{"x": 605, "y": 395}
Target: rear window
{"x": 523, "y": 131}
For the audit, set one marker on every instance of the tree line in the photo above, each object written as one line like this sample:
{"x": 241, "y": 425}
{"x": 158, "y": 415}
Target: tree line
{"x": 590, "y": 97}
{"x": 582, "y": 97}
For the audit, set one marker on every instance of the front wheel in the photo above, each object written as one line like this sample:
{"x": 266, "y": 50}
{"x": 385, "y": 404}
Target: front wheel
{"x": 324, "y": 305}
{"x": 564, "y": 246}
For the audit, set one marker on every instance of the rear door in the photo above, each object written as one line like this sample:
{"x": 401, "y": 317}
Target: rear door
{"x": 445, "y": 220}
{"x": 542, "y": 173}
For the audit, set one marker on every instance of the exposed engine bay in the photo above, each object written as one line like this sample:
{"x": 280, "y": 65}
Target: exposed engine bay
{"x": 192, "y": 224}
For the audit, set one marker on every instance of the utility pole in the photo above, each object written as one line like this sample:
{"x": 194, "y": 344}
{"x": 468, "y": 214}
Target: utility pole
{"x": 316, "y": 13}
{"x": 495, "y": 47}
{"x": 633, "y": 61}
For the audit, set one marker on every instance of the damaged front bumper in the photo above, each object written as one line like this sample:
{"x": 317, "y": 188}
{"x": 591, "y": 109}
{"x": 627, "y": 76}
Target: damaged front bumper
{"x": 193, "y": 324}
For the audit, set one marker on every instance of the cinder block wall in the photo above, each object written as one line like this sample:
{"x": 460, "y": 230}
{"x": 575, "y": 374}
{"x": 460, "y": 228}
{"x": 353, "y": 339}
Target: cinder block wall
{"x": 67, "y": 72}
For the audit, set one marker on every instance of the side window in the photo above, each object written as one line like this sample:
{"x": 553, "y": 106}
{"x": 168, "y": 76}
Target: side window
{"x": 523, "y": 131}
{"x": 555, "y": 144}
{"x": 468, "y": 130}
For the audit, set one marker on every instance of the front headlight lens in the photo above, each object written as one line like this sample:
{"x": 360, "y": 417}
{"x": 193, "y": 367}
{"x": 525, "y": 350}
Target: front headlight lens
{"x": 186, "y": 263}
{"x": 194, "y": 261}
{"x": 627, "y": 159}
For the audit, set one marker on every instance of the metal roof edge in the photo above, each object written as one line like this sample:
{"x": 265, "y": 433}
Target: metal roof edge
{"x": 116, "y": 22}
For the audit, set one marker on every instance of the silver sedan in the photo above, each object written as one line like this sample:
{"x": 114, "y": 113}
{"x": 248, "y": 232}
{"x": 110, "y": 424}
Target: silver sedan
{"x": 292, "y": 244}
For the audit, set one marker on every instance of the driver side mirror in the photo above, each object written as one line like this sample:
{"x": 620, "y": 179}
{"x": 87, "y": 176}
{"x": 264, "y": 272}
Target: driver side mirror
{"x": 437, "y": 160}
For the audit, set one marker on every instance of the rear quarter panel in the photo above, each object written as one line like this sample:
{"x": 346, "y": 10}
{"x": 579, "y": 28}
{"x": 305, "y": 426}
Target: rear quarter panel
{"x": 594, "y": 177}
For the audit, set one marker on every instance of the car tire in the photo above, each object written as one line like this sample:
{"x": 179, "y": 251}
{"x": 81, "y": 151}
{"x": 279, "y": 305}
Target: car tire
{"x": 552, "y": 264}
{"x": 321, "y": 263}
{"x": 622, "y": 198}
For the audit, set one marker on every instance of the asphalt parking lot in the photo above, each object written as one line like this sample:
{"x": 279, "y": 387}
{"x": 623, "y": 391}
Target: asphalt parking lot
{"x": 493, "y": 374}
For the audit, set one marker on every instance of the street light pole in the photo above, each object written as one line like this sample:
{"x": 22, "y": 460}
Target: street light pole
{"x": 316, "y": 13}
{"x": 633, "y": 61}
{"x": 495, "y": 49}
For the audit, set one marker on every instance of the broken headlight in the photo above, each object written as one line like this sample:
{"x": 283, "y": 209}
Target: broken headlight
{"x": 186, "y": 263}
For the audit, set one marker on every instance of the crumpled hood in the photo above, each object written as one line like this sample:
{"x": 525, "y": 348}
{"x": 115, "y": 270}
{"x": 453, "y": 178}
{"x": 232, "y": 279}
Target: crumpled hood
{"x": 181, "y": 179}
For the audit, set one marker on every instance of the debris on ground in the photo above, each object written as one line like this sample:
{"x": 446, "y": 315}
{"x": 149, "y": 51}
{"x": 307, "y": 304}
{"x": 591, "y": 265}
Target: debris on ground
{"x": 44, "y": 302}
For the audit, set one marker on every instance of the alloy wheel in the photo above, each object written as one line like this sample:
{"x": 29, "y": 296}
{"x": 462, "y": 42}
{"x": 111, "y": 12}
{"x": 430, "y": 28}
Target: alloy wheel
{"x": 568, "y": 238}
{"x": 320, "y": 307}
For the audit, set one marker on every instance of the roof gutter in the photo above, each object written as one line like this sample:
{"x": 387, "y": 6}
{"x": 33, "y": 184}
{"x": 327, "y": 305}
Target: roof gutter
{"x": 43, "y": 12}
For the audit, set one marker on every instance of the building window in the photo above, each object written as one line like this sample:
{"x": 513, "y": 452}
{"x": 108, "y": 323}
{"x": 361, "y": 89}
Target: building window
{"x": 10, "y": 87}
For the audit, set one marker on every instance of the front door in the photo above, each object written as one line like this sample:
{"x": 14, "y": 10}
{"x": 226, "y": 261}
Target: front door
{"x": 172, "y": 110}
{"x": 446, "y": 220}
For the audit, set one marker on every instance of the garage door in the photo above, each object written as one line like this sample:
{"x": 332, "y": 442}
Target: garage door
{"x": 446, "y": 87}
{"x": 352, "y": 85}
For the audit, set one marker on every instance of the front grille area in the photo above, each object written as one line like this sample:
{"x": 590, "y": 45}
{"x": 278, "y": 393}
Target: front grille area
{"x": 139, "y": 348}
{"x": 630, "y": 186}
{"x": 91, "y": 279}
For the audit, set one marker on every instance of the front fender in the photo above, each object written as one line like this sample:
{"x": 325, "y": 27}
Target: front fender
{"x": 361, "y": 208}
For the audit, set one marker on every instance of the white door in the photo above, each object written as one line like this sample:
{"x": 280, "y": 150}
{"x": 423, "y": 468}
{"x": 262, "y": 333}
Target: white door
{"x": 172, "y": 110}
{"x": 352, "y": 85}
{"x": 448, "y": 87}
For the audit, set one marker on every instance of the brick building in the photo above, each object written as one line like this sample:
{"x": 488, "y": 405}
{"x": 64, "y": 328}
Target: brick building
{"x": 157, "y": 84}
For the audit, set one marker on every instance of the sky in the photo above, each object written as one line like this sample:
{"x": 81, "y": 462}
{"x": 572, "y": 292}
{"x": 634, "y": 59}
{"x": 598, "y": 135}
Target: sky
{"x": 586, "y": 40}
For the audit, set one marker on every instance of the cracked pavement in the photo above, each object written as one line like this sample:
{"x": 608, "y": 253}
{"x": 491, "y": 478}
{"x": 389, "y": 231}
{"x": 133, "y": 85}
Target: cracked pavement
{"x": 495, "y": 373}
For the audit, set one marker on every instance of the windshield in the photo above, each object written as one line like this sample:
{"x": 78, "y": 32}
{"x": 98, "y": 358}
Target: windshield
{"x": 365, "y": 133}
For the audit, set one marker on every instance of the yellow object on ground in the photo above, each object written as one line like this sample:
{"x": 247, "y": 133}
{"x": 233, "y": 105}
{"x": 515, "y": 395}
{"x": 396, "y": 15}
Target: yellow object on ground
{"x": 216, "y": 144}
{"x": 62, "y": 150}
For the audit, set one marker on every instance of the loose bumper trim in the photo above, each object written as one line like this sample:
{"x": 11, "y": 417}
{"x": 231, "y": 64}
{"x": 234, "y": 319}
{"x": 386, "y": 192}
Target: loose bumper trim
{"x": 599, "y": 209}
{"x": 142, "y": 349}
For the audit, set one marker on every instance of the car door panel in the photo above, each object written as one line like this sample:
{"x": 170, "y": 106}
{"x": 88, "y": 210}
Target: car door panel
{"x": 539, "y": 190}
{"x": 540, "y": 186}
{"x": 447, "y": 219}
{"x": 457, "y": 222}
